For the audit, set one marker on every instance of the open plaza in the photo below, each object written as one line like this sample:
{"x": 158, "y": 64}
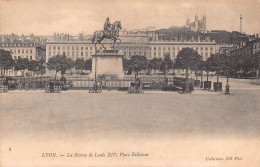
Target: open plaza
{"x": 181, "y": 121}
{"x": 129, "y": 83}
{"x": 35, "y": 112}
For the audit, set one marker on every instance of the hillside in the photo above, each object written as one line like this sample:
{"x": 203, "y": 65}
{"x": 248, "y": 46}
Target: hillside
{"x": 220, "y": 36}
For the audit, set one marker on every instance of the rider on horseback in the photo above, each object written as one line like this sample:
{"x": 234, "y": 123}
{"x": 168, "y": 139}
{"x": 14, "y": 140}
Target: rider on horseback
{"x": 111, "y": 31}
{"x": 107, "y": 27}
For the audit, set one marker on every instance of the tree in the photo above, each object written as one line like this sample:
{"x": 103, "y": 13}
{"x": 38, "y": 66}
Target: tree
{"x": 188, "y": 59}
{"x": 41, "y": 52}
{"x": 216, "y": 63}
{"x": 42, "y": 66}
{"x": 207, "y": 67}
{"x": 88, "y": 65}
{"x": 250, "y": 65}
{"x": 6, "y": 61}
{"x": 245, "y": 65}
{"x": 126, "y": 65}
{"x": 138, "y": 63}
{"x": 201, "y": 67}
{"x": 71, "y": 64}
{"x": 21, "y": 64}
{"x": 58, "y": 63}
{"x": 228, "y": 68}
{"x": 257, "y": 55}
{"x": 33, "y": 66}
{"x": 166, "y": 64}
{"x": 80, "y": 64}
{"x": 154, "y": 64}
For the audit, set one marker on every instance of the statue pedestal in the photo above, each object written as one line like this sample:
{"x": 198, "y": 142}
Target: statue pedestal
{"x": 107, "y": 63}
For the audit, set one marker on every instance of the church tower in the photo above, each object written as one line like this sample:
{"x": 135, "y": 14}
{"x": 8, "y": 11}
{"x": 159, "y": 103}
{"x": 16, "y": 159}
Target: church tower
{"x": 188, "y": 23}
{"x": 204, "y": 23}
{"x": 196, "y": 23}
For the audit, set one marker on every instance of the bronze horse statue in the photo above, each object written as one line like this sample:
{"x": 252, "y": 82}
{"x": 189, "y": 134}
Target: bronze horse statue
{"x": 112, "y": 34}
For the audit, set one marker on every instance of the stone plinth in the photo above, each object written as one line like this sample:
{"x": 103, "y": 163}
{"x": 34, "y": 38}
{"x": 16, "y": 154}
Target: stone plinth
{"x": 107, "y": 63}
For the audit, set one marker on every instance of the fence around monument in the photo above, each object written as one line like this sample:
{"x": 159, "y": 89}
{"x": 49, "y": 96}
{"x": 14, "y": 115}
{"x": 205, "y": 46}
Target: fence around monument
{"x": 82, "y": 82}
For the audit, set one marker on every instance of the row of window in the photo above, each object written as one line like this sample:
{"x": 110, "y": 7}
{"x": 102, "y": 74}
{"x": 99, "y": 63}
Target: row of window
{"x": 133, "y": 48}
{"x": 21, "y": 50}
{"x": 148, "y": 54}
{"x": 68, "y": 48}
{"x": 17, "y": 57}
{"x": 125, "y": 48}
{"x": 162, "y": 48}
{"x": 68, "y": 54}
{"x": 4, "y": 45}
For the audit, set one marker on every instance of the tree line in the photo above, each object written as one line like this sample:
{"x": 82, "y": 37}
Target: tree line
{"x": 187, "y": 59}
{"x": 60, "y": 63}
{"x": 20, "y": 64}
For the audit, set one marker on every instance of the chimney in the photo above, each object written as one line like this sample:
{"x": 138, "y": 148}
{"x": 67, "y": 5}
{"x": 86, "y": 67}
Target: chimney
{"x": 22, "y": 38}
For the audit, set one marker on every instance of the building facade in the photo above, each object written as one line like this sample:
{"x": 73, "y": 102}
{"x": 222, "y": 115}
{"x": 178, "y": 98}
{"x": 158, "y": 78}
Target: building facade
{"x": 132, "y": 43}
{"x": 23, "y": 46}
{"x": 247, "y": 48}
{"x": 225, "y": 48}
{"x": 20, "y": 49}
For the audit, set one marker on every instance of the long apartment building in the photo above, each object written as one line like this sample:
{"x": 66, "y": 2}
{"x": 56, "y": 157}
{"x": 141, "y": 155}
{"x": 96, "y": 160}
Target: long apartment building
{"x": 22, "y": 46}
{"x": 144, "y": 43}
{"x": 247, "y": 48}
{"x": 20, "y": 49}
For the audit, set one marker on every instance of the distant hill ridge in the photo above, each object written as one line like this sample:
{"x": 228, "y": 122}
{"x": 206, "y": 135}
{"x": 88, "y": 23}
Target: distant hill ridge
{"x": 220, "y": 36}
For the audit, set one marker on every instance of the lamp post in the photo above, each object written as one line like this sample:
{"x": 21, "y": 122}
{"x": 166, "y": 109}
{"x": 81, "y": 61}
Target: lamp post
{"x": 96, "y": 69}
{"x": 227, "y": 88}
{"x": 201, "y": 81}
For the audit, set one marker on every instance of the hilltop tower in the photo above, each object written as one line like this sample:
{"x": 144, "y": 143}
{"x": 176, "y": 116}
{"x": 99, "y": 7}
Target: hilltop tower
{"x": 241, "y": 19}
{"x": 204, "y": 23}
{"x": 196, "y": 22}
{"x": 188, "y": 23}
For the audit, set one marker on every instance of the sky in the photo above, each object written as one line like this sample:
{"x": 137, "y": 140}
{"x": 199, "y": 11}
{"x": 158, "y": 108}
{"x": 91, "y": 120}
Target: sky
{"x": 44, "y": 17}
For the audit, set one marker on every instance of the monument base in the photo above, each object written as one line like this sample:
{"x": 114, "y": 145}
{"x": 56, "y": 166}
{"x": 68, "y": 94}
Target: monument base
{"x": 107, "y": 76}
{"x": 107, "y": 64}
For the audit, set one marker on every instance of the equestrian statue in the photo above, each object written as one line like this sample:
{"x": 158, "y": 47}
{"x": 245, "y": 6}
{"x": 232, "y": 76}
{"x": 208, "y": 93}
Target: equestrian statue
{"x": 111, "y": 31}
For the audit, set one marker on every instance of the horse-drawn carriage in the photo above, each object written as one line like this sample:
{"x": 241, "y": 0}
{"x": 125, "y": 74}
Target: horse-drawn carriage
{"x": 3, "y": 85}
{"x": 97, "y": 88}
{"x": 65, "y": 84}
{"x": 53, "y": 87}
{"x": 136, "y": 87}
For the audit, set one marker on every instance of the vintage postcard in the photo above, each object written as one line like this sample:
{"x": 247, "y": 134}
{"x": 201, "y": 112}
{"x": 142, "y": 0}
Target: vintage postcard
{"x": 129, "y": 83}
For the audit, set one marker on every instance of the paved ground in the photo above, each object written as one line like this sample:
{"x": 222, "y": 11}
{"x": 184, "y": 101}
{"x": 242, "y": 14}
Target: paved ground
{"x": 155, "y": 112}
{"x": 111, "y": 116}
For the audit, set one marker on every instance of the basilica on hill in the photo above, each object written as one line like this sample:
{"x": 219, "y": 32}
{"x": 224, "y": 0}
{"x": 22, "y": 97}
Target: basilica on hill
{"x": 197, "y": 25}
